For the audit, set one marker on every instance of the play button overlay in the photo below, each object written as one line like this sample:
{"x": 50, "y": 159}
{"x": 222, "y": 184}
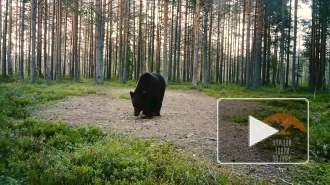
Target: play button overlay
{"x": 262, "y": 131}
{"x": 259, "y": 131}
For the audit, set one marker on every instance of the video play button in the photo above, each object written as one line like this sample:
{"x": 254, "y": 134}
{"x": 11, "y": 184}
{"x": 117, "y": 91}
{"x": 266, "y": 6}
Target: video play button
{"x": 259, "y": 131}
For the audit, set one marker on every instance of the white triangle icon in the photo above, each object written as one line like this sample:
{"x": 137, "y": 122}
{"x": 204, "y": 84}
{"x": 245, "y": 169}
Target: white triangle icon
{"x": 259, "y": 131}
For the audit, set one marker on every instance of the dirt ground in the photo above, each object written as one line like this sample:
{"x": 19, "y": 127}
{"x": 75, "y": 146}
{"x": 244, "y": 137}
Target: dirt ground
{"x": 188, "y": 118}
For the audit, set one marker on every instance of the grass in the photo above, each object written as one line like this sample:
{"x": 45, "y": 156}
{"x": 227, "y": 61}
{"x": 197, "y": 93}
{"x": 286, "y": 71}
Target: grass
{"x": 121, "y": 96}
{"x": 36, "y": 152}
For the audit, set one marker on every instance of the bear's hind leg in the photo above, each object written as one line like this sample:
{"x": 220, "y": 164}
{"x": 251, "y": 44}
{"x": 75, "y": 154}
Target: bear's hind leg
{"x": 157, "y": 109}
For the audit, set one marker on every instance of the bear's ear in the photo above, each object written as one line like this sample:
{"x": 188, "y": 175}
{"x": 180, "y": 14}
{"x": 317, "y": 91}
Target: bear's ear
{"x": 131, "y": 93}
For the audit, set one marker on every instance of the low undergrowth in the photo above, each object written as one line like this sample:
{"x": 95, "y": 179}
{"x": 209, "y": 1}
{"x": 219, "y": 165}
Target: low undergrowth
{"x": 36, "y": 152}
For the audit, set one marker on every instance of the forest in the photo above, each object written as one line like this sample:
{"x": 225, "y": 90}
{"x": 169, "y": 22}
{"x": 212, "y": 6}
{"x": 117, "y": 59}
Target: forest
{"x": 67, "y": 67}
{"x": 248, "y": 42}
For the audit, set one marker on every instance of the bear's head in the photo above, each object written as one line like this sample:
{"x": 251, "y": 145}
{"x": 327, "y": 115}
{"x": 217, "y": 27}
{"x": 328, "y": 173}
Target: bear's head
{"x": 138, "y": 100}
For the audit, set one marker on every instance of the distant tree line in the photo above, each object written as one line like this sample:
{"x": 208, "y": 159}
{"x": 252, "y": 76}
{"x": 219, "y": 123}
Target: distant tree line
{"x": 248, "y": 42}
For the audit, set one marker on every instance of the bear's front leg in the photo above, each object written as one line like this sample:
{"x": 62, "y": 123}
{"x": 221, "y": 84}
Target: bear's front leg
{"x": 148, "y": 113}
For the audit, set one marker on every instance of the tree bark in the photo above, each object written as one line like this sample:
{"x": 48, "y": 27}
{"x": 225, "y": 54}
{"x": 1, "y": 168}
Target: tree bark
{"x": 171, "y": 44}
{"x": 247, "y": 69}
{"x": 242, "y": 46}
{"x": 288, "y": 49}
{"x": 179, "y": 45}
{"x": 59, "y": 43}
{"x": 218, "y": 48}
{"x": 39, "y": 37}
{"x": 33, "y": 41}
{"x": 265, "y": 47}
{"x": 99, "y": 42}
{"x": 21, "y": 63}
{"x": 258, "y": 43}
{"x": 4, "y": 42}
{"x": 9, "y": 50}
{"x": 205, "y": 55}
{"x": 175, "y": 44}
{"x": 75, "y": 42}
{"x": 53, "y": 44}
{"x": 46, "y": 70}
{"x": 282, "y": 49}
{"x": 294, "y": 46}
{"x": 127, "y": 41}
{"x": 195, "y": 66}
{"x": 165, "y": 41}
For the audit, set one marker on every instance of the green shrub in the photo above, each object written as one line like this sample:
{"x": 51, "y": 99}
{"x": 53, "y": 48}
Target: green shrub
{"x": 39, "y": 152}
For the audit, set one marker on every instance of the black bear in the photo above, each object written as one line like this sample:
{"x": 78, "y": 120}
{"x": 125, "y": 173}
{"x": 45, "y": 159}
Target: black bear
{"x": 148, "y": 95}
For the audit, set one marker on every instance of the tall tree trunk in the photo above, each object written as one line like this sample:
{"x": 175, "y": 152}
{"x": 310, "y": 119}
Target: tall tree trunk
{"x": 75, "y": 42}
{"x": 53, "y": 43}
{"x": 325, "y": 19}
{"x": 99, "y": 42}
{"x": 179, "y": 44}
{"x": 195, "y": 66}
{"x": 165, "y": 41}
{"x": 39, "y": 37}
{"x": 65, "y": 41}
{"x": 79, "y": 44}
{"x": 275, "y": 62}
{"x": 238, "y": 32}
{"x": 28, "y": 63}
{"x": 294, "y": 46}
{"x": 268, "y": 53}
{"x": 17, "y": 39}
{"x": 253, "y": 53}
{"x": 175, "y": 43}
{"x": 264, "y": 58}
{"x": 288, "y": 50}
{"x": 46, "y": 70}
{"x": 185, "y": 44}
{"x": 312, "y": 48}
{"x": 139, "y": 62}
{"x": 153, "y": 36}
{"x": 120, "y": 39}
{"x": 21, "y": 63}
{"x": 205, "y": 59}
{"x": 242, "y": 46}
{"x": 9, "y": 50}
{"x": 59, "y": 43}
{"x": 127, "y": 41}
{"x": 248, "y": 57}
{"x": 4, "y": 42}
{"x": 282, "y": 49}
{"x": 226, "y": 67}
{"x": 33, "y": 41}
{"x": 222, "y": 71}
{"x": 258, "y": 43}
{"x": 159, "y": 41}
{"x": 218, "y": 48}
{"x": 171, "y": 44}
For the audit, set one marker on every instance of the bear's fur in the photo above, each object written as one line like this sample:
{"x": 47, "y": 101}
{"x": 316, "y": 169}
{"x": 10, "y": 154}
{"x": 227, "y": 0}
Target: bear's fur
{"x": 148, "y": 95}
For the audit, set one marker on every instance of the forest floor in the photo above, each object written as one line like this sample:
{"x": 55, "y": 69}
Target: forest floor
{"x": 188, "y": 118}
